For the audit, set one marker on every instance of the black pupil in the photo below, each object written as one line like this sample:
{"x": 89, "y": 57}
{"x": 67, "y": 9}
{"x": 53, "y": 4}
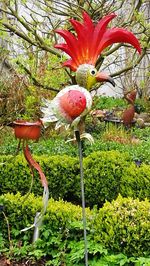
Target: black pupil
{"x": 93, "y": 72}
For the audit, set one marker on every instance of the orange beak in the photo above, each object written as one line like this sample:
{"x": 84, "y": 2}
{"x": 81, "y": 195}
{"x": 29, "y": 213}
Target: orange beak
{"x": 101, "y": 77}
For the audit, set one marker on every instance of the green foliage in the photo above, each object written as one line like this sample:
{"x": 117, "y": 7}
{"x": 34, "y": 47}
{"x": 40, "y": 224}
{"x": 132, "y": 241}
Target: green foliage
{"x": 135, "y": 181}
{"x": 123, "y": 226}
{"x": 62, "y": 221}
{"x": 12, "y": 98}
{"x": 46, "y": 68}
{"x": 53, "y": 70}
{"x": 136, "y": 143}
{"x": 61, "y": 172}
{"x": 108, "y": 103}
{"x": 142, "y": 133}
{"x": 103, "y": 172}
{"x": 140, "y": 17}
{"x": 109, "y": 173}
{"x": 20, "y": 101}
{"x": 57, "y": 145}
{"x": 54, "y": 146}
{"x": 106, "y": 174}
{"x": 139, "y": 151}
{"x": 31, "y": 104}
{"x": 118, "y": 233}
{"x": 120, "y": 260}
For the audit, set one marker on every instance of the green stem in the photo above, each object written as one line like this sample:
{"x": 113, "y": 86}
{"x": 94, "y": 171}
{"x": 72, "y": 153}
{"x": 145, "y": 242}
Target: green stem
{"x": 77, "y": 134}
{"x": 8, "y": 229}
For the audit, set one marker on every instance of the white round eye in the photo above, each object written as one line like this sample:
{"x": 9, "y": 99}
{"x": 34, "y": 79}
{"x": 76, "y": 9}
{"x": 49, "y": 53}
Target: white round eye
{"x": 93, "y": 72}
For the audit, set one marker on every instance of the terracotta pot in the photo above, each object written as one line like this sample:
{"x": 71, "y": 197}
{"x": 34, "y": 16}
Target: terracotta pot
{"x": 27, "y": 130}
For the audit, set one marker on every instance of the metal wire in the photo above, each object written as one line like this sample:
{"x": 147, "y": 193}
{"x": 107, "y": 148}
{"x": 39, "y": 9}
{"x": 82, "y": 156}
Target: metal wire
{"x": 77, "y": 134}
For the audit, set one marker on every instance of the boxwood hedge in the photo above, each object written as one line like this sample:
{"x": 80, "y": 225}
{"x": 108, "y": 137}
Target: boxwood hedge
{"x": 122, "y": 226}
{"x": 106, "y": 174}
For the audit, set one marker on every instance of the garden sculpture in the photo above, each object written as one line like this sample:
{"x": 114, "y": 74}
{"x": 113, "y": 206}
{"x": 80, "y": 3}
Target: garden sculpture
{"x": 72, "y": 103}
{"x": 128, "y": 114}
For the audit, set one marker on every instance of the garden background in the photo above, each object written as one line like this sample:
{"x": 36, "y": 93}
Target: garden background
{"x": 116, "y": 165}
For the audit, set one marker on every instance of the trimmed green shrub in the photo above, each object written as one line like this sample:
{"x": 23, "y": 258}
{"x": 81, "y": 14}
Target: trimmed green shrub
{"x": 14, "y": 174}
{"x": 135, "y": 181}
{"x": 109, "y": 173}
{"x": 106, "y": 175}
{"x": 62, "y": 173}
{"x": 103, "y": 173}
{"x": 119, "y": 227}
{"x": 21, "y": 213}
{"x": 62, "y": 227}
{"x": 124, "y": 226}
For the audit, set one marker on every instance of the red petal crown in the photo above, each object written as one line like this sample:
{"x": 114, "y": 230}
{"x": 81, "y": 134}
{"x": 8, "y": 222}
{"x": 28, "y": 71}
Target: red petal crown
{"x": 90, "y": 40}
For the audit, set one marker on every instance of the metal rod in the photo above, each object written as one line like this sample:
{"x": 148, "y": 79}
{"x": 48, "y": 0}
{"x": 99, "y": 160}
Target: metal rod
{"x": 77, "y": 134}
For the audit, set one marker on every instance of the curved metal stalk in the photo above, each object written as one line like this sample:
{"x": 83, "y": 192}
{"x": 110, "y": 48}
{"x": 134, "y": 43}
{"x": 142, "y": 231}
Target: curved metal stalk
{"x": 39, "y": 215}
{"x": 77, "y": 135}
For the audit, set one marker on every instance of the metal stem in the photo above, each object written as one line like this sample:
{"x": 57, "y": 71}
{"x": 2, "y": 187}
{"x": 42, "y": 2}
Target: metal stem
{"x": 37, "y": 222}
{"x": 77, "y": 134}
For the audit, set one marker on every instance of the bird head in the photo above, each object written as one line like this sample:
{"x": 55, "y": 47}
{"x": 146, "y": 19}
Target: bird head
{"x": 87, "y": 76}
{"x": 86, "y": 45}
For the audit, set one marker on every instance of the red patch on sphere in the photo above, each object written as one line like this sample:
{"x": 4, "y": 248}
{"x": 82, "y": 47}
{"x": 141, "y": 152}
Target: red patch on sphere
{"x": 73, "y": 103}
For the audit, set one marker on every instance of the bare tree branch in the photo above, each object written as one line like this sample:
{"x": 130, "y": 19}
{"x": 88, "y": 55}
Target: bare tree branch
{"x": 130, "y": 66}
{"x": 45, "y": 17}
{"x": 34, "y": 80}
